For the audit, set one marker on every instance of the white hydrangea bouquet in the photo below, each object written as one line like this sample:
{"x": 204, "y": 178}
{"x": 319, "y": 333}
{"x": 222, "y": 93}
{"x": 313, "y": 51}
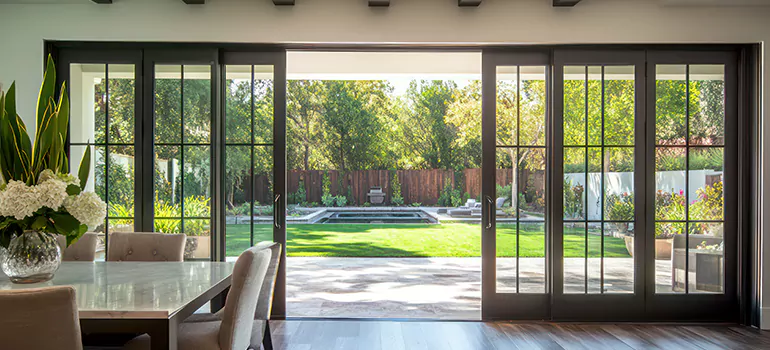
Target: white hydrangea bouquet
{"x": 36, "y": 191}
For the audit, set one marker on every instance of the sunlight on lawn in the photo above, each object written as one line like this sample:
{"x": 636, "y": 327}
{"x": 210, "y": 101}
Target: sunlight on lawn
{"x": 415, "y": 240}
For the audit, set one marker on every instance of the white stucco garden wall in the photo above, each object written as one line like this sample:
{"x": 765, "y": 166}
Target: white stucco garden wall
{"x": 23, "y": 28}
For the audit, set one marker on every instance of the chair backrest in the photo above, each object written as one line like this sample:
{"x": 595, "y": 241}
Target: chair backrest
{"x": 82, "y": 250}
{"x": 265, "y": 301}
{"x": 241, "y": 305}
{"x": 43, "y": 318}
{"x": 146, "y": 246}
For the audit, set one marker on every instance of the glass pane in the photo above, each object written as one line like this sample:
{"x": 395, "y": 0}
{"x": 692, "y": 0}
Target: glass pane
{"x": 575, "y": 105}
{"x": 594, "y": 105}
{"x": 506, "y": 181}
{"x": 168, "y": 103}
{"x": 619, "y": 184}
{"x": 507, "y": 105}
{"x": 87, "y": 103}
{"x": 168, "y": 181}
{"x": 669, "y": 257}
{"x": 705, "y": 196}
{"x": 533, "y": 106}
{"x": 670, "y": 104}
{"x": 532, "y": 257}
{"x": 574, "y": 183}
{"x": 197, "y": 181}
{"x": 197, "y": 104}
{"x": 618, "y": 263}
{"x": 198, "y": 244}
{"x": 594, "y": 258}
{"x": 238, "y": 104}
{"x": 707, "y": 258}
{"x": 531, "y": 184}
{"x": 121, "y": 225}
{"x": 263, "y": 104}
{"x": 263, "y": 194}
{"x": 574, "y": 257}
{"x": 237, "y": 198}
{"x": 168, "y": 225}
{"x": 670, "y": 194}
{"x": 122, "y": 97}
{"x": 619, "y": 105}
{"x": 120, "y": 181}
{"x": 593, "y": 195}
{"x": 707, "y": 105}
{"x": 506, "y": 256}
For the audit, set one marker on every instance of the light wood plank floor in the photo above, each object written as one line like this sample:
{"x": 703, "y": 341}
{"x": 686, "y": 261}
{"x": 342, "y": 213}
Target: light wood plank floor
{"x": 387, "y": 335}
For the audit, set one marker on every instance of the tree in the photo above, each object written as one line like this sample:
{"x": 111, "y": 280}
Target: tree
{"x": 304, "y": 109}
{"x": 430, "y": 101}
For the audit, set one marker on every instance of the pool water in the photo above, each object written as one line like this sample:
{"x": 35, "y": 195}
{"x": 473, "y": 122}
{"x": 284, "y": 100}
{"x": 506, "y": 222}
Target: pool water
{"x": 378, "y": 217}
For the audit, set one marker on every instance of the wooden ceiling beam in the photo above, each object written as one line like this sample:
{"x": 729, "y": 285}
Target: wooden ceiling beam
{"x": 379, "y": 3}
{"x": 102, "y": 1}
{"x": 565, "y": 3}
{"x": 468, "y": 3}
{"x": 194, "y": 2}
{"x": 283, "y": 2}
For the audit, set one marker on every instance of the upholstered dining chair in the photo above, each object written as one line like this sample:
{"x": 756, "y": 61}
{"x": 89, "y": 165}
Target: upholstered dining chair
{"x": 41, "y": 318}
{"x": 233, "y": 331}
{"x": 261, "y": 330}
{"x": 82, "y": 250}
{"x": 146, "y": 246}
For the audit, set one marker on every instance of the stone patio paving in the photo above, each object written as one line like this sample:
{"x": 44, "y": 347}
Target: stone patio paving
{"x": 434, "y": 288}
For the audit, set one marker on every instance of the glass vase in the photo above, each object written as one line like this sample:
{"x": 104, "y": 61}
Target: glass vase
{"x": 32, "y": 257}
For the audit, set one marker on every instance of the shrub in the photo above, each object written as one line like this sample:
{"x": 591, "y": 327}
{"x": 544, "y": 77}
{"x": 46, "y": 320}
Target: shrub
{"x": 367, "y": 204}
{"x": 620, "y": 207}
{"x": 416, "y": 204}
{"x": 669, "y": 205}
{"x": 341, "y": 200}
{"x": 396, "y": 198}
{"x": 450, "y": 197}
{"x": 710, "y": 203}
{"x": 573, "y": 200}
{"x": 299, "y": 197}
{"x": 328, "y": 200}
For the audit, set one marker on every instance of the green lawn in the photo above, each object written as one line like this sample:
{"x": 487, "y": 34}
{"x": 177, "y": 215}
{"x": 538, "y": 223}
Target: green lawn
{"x": 416, "y": 240}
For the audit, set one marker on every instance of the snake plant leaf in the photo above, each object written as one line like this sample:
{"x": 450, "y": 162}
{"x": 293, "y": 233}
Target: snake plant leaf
{"x": 15, "y": 140}
{"x": 47, "y": 89}
{"x": 85, "y": 168}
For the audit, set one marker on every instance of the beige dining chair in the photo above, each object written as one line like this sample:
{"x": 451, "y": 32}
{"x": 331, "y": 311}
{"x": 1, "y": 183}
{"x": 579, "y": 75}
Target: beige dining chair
{"x": 82, "y": 250}
{"x": 41, "y": 318}
{"x": 234, "y": 329}
{"x": 146, "y": 246}
{"x": 261, "y": 330}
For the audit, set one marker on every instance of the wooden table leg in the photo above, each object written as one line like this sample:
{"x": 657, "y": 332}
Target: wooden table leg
{"x": 163, "y": 336}
{"x": 218, "y": 302}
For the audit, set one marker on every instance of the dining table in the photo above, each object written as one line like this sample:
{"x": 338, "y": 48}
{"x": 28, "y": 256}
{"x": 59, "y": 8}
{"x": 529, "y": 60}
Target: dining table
{"x": 139, "y": 297}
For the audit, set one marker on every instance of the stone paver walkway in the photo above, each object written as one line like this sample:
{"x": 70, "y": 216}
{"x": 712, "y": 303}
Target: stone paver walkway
{"x": 435, "y": 288}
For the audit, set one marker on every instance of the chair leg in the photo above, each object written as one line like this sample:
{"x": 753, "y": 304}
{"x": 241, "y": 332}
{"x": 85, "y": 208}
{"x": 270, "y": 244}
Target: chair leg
{"x": 267, "y": 339}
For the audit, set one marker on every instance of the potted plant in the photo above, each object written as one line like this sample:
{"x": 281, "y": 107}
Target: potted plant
{"x": 620, "y": 207}
{"x": 38, "y": 198}
{"x": 198, "y": 231}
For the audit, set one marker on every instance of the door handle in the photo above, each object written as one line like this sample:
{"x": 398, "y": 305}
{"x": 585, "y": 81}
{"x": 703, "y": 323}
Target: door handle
{"x": 490, "y": 210}
{"x": 276, "y": 217}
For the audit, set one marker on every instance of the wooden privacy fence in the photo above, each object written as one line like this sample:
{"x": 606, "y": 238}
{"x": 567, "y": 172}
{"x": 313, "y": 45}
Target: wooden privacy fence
{"x": 417, "y": 186}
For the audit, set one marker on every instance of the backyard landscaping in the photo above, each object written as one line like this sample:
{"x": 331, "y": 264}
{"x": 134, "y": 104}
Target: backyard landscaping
{"x": 416, "y": 240}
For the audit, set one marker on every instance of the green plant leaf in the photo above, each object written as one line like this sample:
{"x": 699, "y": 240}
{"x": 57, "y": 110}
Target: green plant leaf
{"x": 85, "y": 168}
{"x": 65, "y": 224}
{"x": 73, "y": 190}
{"x": 46, "y": 90}
{"x": 39, "y": 224}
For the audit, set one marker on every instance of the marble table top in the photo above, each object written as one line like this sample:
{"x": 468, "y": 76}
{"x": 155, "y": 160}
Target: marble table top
{"x": 136, "y": 290}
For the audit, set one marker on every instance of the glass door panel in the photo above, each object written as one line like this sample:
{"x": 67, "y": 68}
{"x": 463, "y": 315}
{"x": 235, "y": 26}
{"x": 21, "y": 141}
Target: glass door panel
{"x": 689, "y": 174}
{"x": 183, "y": 153}
{"x": 249, "y": 115}
{"x": 103, "y": 105}
{"x": 598, "y": 182}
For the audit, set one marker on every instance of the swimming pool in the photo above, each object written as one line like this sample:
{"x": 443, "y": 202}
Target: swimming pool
{"x": 377, "y": 217}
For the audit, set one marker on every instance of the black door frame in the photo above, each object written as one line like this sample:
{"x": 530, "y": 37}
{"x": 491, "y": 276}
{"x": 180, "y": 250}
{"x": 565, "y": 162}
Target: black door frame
{"x": 277, "y": 59}
{"x": 494, "y": 305}
{"x": 749, "y": 199}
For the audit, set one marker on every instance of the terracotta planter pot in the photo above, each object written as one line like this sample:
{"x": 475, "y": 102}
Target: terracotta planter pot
{"x": 663, "y": 247}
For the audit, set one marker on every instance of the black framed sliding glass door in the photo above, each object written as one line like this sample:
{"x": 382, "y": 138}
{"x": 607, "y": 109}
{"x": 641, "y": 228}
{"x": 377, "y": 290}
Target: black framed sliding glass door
{"x": 515, "y": 137}
{"x": 253, "y": 169}
{"x": 105, "y": 89}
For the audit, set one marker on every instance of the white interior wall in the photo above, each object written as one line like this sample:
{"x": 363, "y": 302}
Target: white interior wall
{"x": 25, "y": 26}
